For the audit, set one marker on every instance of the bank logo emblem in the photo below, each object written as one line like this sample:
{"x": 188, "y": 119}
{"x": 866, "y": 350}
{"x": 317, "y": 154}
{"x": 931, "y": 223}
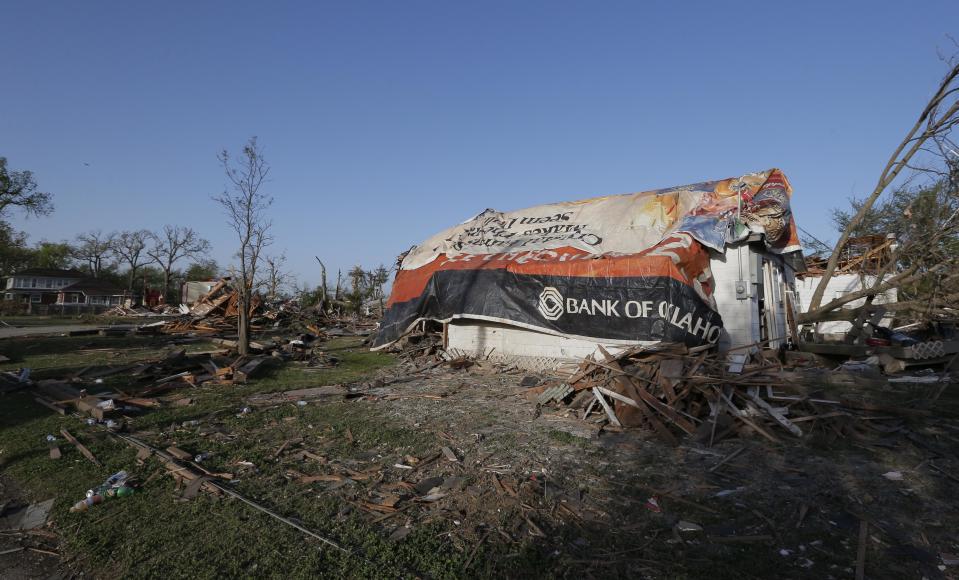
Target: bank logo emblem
{"x": 550, "y": 303}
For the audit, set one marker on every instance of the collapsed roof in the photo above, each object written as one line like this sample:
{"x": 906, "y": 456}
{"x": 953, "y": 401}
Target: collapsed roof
{"x": 619, "y": 268}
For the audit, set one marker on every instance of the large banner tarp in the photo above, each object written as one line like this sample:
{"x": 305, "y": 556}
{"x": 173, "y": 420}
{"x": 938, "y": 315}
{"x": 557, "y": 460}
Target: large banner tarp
{"x": 620, "y": 268}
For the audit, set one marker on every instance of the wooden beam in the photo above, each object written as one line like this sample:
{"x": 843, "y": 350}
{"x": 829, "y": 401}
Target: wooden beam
{"x": 80, "y": 447}
{"x": 606, "y": 407}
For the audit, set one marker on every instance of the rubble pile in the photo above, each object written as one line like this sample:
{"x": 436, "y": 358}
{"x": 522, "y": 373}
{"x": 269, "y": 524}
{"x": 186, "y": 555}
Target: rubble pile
{"x": 139, "y": 311}
{"x": 146, "y": 380}
{"x": 674, "y": 391}
{"x": 216, "y": 311}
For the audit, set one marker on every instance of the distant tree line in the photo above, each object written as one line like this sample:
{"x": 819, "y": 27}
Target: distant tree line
{"x": 358, "y": 292}
{"x": 141, "y": 259}
{"x": 131, "y": 259}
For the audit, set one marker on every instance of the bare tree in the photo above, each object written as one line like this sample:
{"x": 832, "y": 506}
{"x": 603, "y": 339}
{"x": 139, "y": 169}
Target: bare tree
{"x": 926, "y": 150}
{"x": 323, "y": 295}
{"x": 130, "y": 248}
{"x": 245, "y": 206}
{"x": 173, "y": 244}
{"x": 377, "y": 279}
{"x": 95, "y": 248}
{"x": 18, "y": 189}
{"x": 277, "y": 277}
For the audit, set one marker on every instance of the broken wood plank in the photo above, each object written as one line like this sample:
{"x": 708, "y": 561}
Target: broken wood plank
{"x": 322, "y": 477}
{"x": 726, "y": 459}
{"x": 179, "y": 453}
{"x": 755, "y": 427}
{"x": 607, "y": 408}
{"x": 665, "y": 410}
{"x": 649, "y": 399}
{"x": 618, "y": 397}
{"x": 50, "y": 405}
{"x": 80, "y": 447}
{"x": 245, "y": 371}
{"x": 450, "y": 456}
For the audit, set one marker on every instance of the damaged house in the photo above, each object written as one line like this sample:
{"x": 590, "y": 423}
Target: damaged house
{"x": 859, "y": 264}
{"x": 708, "y": 263}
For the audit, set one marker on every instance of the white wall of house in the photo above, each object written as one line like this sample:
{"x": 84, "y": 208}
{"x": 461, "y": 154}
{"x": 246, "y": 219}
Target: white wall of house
{"x": 515, "y": 345}
{"x": 838, "y": 286}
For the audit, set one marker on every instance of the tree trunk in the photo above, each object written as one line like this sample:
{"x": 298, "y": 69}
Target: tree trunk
{"x": 166, "y": 286}
{"x": 243, "y": 323}
{"x": 323, "y": 296}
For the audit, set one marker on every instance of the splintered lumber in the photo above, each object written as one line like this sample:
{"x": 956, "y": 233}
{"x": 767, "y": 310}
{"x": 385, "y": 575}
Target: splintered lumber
{"x": 299, "y": 395}
{"x": 140, "y": 402}
{"x": 607, "y": 408}
{"x": 583, "y": 370}
{"x": 450, "y": 456}
{"x": 80, "y": 447}
{"x": 658, "y": 426}
{"x": 670, "y": 389}
{"x": 667, "y": 411}
{"x": 242, "y": 373}
{"x": 179, "y": 453}
{"x": 91, "y": 406}
{"x": 254, "y": 345}
{"x": 109, "y": 371}
{"x": 618, "y": 397}
{"x": 172, "y": 378}
{"x": 726, "y": 459}
{"x": 57, "y": 391}
{"x": 649, "y": 399}
{"x": 782, "y": 420}
{"x": 50, "y": 405}
{"x": 772, "y": 438}
{"x": 323, "y": 477}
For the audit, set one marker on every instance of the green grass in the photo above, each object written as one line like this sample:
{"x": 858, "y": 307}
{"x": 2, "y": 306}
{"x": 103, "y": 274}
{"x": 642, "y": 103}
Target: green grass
{"x": 151, "y": 535}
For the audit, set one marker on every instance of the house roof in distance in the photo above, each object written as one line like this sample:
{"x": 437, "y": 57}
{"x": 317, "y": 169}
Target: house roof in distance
{"x": 50, "y": 272}
{"x": 93, "y": 287}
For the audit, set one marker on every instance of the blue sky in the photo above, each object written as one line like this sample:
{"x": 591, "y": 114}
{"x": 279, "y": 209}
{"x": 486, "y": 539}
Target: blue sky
{"x": 385, "y": 122}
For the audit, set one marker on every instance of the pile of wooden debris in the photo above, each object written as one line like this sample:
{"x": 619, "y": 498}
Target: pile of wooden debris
{"x": 673, "y": 391}
{"x": 175, "y": 370}
{"x": 216, "y": 311}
